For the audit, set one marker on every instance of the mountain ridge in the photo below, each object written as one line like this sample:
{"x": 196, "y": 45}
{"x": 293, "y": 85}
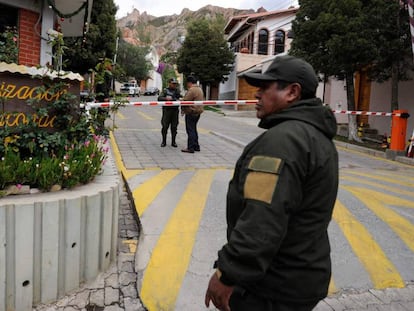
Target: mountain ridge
{"x": 165, "y": 33}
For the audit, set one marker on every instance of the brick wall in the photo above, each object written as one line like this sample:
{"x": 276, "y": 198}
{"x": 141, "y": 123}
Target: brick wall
{"x": 29, "y": 40}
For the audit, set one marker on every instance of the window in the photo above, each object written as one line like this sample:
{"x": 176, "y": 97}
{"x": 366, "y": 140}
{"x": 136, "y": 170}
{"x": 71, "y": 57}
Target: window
{"x": 8, "y": 34}
{"x": 235, "y": 46}
{"x": 263, "y": 42}
{"x": 250, "y": 41}
{"x": 279, "y": 42}
{"x": 8, "y": 17}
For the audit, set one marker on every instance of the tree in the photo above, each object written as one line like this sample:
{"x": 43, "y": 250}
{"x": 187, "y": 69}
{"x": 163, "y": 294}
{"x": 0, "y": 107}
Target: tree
{"x": 99, "y": 42}
{"x": 132, "y": 59}
{"x": 343, "y": 37}
{"x": 335, "y": 36}
{"x": 205, "y": 52}
{"x": 394, "y": 45}
{"x": 169, "y": 58}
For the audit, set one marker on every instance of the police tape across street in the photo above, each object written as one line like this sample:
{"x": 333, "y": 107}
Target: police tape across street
{"x": 218, "y": 103}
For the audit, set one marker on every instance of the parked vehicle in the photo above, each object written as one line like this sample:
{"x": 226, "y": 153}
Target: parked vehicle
{"x": 85, "y": 96}
{"x": 152, "y": 90}
{"x": 130, "y": 89}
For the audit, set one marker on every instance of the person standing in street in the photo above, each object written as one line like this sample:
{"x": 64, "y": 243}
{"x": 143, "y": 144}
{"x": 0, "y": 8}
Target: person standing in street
{"x": 280, "y": 199}
{"x": 192, "y": 114}
{"x": 169, "y": 113}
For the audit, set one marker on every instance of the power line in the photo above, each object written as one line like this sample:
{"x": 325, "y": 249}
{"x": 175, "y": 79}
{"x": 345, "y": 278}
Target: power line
{"x": 284, "y": 4}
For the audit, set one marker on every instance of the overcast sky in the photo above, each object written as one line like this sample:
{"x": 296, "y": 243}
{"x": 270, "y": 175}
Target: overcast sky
{"x": 162, "y": 8}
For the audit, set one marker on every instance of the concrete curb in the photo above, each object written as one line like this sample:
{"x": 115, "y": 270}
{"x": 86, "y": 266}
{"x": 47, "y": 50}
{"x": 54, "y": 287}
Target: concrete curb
{"x": 229, "y": 139}
{"x": 375, "y": 153}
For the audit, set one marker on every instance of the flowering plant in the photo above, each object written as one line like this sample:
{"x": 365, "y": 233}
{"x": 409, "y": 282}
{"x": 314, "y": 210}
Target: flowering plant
{"x": 74, "y": 165}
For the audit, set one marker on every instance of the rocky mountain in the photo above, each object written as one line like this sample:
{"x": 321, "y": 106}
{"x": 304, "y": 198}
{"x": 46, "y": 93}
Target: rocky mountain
{"x": 165, "y": 33}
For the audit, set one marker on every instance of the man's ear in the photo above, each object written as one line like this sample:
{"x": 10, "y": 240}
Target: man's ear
{"x": 294, "y": 92}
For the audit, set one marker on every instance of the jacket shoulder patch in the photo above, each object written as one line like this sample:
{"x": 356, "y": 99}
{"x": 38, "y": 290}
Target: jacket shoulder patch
{"x": 265, "y": 164}
{"x": 262, "y": 178}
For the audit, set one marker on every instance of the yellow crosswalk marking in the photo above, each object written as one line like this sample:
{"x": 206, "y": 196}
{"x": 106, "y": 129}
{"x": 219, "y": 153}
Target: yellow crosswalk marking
{"x": 394, "y": 175}
{"x": 148, "y": 191}
{"x": 382, "y": 272}
{"x": 375, "y": 201}
{"x": 171, "y": 256}
{"x": 386, "y": 179}
{"x": 378, "y": 185}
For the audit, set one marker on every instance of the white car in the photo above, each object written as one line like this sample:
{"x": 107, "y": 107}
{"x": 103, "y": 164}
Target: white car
{"x": 131, "y": 89}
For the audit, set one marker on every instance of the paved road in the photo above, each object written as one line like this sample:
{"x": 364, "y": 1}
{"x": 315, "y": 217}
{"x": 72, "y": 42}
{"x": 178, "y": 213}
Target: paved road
{"x": 180, "y": 197}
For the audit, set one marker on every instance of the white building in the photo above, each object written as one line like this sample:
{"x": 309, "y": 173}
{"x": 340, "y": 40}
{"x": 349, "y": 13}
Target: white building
{"x": 259, "y": 37}
{"x": 154, "y": 77}
{"x": 255, "y": 38}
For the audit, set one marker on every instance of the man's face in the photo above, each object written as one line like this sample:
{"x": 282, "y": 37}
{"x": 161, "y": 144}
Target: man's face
{"x": 271, "y": 99}
{"x": 172, "y": 85}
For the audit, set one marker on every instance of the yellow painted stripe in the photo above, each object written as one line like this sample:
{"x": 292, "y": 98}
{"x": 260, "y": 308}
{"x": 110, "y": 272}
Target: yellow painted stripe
{"x": 203, "y": 130}
{"x": 131, "y": 173}
{"x": 375, "y": 201}
{"x": 118, "y": 159}
{"x": 381, "y": 270}
{"x": 332, "y": 287}
{"x": 171, "y": 256}
{"x": 394, "y": 175}
{"x": 377, "y": 185}
{"x": 120, "y": 115}
{"x": 377, "y": 177}
{"x": 148, "y": 191}
{"x": 116, "y": 153}
{"x": 144, "y": 115}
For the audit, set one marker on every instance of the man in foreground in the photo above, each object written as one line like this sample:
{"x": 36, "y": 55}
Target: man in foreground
{"x": 280, "y": 199}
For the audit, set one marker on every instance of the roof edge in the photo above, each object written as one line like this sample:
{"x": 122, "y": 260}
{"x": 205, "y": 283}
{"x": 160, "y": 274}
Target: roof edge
{"x": 39, "y": 71}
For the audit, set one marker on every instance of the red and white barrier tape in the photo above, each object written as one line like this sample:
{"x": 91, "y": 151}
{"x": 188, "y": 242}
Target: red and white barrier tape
{"x": 368, "y": 113}
{"x": 178, "y": 103}
{"x": 224, "y": 103}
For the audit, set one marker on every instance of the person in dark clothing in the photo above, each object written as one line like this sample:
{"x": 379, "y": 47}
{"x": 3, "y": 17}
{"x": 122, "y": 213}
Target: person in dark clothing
{"x": 169, "y": 114}
{"x": 192, "y": 114}
{"x": 280, "y": 199}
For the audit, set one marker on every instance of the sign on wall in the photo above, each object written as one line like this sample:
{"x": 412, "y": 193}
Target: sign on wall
{"x": 18, "y": 90}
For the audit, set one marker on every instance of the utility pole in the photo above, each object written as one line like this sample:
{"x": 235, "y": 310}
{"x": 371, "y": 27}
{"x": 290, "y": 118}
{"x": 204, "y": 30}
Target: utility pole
{"x": 114, "y": 64}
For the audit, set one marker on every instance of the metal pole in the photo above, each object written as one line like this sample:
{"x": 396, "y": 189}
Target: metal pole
{"x": 114, "y": 64}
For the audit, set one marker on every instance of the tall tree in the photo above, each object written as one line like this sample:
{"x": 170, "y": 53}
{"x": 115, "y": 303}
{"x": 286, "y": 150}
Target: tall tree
{"x": 342, "y": 37}
{"x": 99, "y": 42}
{"x": 335, "y": 37}
{"x": 132, "y": 59}
{"x": 393, "y": 38}
{"x": 205, "y": 52}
